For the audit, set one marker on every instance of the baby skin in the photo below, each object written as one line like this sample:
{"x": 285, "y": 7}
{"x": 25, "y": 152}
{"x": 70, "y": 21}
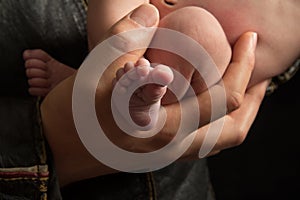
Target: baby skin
{"x": 202, "y": 27}
{"x": 146, "y": 101}
{"x": 44, "y": 72}
{"x": 278, "y": 44}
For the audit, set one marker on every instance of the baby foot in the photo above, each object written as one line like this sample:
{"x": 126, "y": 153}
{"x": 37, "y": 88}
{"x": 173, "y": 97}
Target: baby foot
{"x": 144, "y": 103}
{"x": 44, "y": 72}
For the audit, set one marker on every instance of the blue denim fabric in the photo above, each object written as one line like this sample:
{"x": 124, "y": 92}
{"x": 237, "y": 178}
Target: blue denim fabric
{"x": 57, "y": 26}
{"x": 179, "y": 181}
{"x": 24, "y": 172}
{"x": 183, "y": 181}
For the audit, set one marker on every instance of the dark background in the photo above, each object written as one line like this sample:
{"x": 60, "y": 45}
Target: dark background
{"x": 267, "y": 165}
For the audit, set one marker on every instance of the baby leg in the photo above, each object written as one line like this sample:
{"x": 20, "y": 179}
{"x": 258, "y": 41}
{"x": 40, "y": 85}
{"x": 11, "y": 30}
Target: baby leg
{"x": 44, "y": 72}
{"x": 203, "y": 28}
{"x": 144, "y": 103}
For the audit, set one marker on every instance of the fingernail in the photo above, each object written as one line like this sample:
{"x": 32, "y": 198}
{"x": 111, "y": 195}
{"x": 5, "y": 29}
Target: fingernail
{"x": 254, "y": 40}
{"x": 146, "y": 15}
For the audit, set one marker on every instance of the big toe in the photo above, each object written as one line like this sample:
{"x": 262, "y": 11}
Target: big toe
{"x": 162, "y": 75}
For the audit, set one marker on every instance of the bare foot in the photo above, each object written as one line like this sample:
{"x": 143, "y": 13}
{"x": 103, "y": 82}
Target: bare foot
{"x": 144, "y": 103}
{"x": 44, "y": 72}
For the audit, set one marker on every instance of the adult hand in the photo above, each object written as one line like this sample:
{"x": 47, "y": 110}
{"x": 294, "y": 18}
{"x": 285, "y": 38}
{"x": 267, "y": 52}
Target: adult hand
{"x": 242, "y": 107}
{"x": 242, "y": 103}
{"x": 72, "y": 160}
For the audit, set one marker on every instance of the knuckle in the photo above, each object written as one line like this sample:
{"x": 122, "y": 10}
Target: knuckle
{"x": 122, "y": 42}
{"x": 234, "y": 100}
{"x": 250, "y": 63}
{"x": 240, "y": 137}
{"x": 116, "y": 30}
{"x": 130, "y": 40}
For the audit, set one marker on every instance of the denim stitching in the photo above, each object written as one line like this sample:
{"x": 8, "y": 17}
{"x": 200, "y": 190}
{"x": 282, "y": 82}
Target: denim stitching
{"x": 151, "y": 186}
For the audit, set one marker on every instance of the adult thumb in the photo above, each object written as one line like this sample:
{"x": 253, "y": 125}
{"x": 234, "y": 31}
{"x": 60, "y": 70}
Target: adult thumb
{"x": 131, "y": 36}
{"x": 125, "y": 42}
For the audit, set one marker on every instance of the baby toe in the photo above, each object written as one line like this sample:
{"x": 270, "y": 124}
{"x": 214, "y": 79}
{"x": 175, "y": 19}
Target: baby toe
{"x": 120, "y": 73}
{"x": 128, "y": 66}
{"x": 162, "y": 74}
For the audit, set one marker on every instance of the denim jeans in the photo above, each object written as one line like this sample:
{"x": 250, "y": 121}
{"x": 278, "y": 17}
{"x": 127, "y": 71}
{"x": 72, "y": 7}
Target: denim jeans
{"x": 24, "y": 169}
{"x": 179, "y": 181}
{"x": 58, "y": 27}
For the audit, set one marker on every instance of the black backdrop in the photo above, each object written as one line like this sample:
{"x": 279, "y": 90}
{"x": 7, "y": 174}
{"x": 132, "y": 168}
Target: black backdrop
{"x": 267, "y": 165}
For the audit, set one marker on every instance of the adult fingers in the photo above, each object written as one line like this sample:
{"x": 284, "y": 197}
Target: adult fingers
{"x": 227, "y": 95}
{"x": 125, "y": 42}
{"x": 234, "y": 82}
{"x": 236, "y": 124}
{"x": 131, "y": 36}
{"x": 239, "y": 72}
